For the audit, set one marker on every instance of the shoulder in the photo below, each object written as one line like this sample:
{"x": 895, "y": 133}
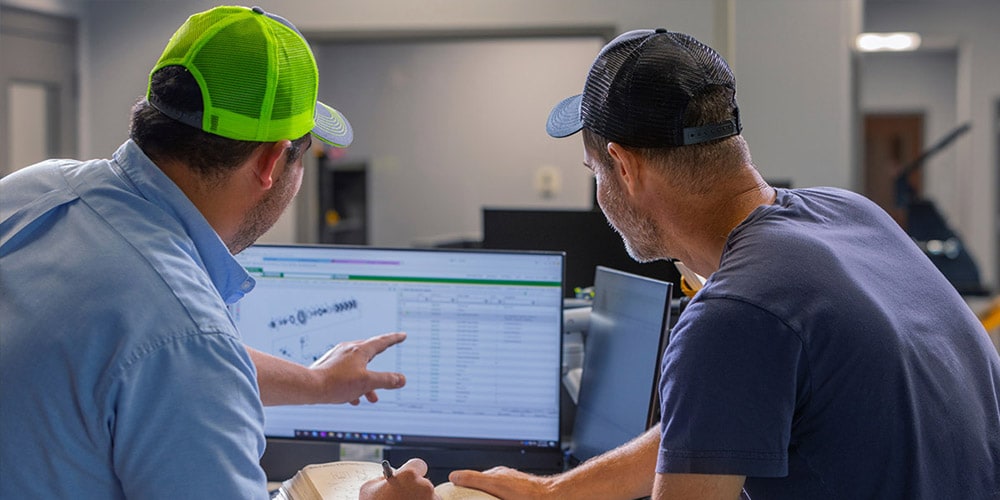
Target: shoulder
{"x": 718, "y": 312}
{"x": 31, "y": 193}
{"x": 830, "y": 202}
{"x": 825, "y": 193}
{"x": 807, "y": 227}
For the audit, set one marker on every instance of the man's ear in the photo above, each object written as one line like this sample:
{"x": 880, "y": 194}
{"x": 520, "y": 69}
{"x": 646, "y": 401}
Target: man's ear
{"x": 627, "y": 165}
{"x": 269, "y": 156}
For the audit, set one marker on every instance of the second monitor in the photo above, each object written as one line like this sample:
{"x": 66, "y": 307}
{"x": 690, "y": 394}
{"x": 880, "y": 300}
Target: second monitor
{"x": 629, "y": 328}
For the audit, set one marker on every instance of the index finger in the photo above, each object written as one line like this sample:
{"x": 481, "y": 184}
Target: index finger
{"x": 380, "y": 343}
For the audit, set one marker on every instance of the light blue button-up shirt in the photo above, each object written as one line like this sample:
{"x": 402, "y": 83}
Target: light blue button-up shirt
{"x": 121, "y": 372}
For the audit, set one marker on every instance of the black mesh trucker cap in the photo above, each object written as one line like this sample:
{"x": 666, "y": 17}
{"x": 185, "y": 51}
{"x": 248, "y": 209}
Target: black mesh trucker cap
{"x": 639, "y": 88}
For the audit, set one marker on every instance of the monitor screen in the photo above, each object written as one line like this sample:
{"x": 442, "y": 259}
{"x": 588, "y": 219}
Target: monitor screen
{"x": 483, "y": 351}
{"x": 629, "y": 326}
{"x": 584, "y": 235}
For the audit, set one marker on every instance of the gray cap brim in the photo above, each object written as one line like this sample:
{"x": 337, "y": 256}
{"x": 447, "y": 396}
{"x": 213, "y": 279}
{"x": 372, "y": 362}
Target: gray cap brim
{"x": 565, "y": 119}
{"x": 332, "y": 127}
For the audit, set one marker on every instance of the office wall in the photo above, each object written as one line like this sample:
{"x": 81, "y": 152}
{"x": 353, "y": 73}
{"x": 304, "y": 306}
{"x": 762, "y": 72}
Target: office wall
{"x": 971, "y": 201}
{"x": 125, "y": 37}
{"x": 460, "y": 122}
{"x": 794, "y": 76}
{"x": 54, "y": 7}
{"x": 428, "y": 130}
{"x": 791, "y": 59}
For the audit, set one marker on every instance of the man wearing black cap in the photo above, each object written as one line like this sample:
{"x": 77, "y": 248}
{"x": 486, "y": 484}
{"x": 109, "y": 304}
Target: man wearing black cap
{"x": 825, "y": 356}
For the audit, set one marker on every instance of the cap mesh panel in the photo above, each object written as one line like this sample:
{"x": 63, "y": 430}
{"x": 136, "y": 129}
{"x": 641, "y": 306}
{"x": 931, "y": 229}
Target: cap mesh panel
{"x": 238, "y": 46}
{"x": 639, "y": 88}
{"x": 227, "y": 50}
{"x": 294, "y": 97}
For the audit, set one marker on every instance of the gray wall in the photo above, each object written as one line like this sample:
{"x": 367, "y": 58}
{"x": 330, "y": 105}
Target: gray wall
{"x": 794, "y": 86}
{"x": 56, "y": 7}
{"x": 791, "y": 57}
{"x": 796, "y": 97}
{"x": 449, "y": 126}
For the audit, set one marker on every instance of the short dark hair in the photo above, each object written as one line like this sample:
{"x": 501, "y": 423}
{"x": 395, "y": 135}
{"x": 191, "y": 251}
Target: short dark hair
{"x": 695, "y": 165}
{"x": 163, "y": 138}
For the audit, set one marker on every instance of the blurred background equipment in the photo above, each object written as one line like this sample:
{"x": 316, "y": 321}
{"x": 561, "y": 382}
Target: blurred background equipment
{"x": 928, "y": 227}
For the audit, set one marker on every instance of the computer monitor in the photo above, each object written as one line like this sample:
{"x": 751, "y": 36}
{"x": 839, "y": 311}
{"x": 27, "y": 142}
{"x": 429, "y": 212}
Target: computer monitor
{"x": 482, "y": 357}
{"x": 584, "y": 235}
{"x": 629, "y": 328}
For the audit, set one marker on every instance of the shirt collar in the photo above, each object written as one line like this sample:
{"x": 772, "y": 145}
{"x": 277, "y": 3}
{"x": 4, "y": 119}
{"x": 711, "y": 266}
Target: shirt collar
{"x": 230, "y": 278}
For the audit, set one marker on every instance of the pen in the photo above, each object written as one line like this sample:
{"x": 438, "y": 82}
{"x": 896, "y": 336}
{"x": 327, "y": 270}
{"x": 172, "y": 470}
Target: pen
{"x": 386, "y": 469}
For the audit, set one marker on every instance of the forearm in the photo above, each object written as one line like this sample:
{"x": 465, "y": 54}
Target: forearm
{"x": 624, "y": 473}
{"x": 283, "y": 382}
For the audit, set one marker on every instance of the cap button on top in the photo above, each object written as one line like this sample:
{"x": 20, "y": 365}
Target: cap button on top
{"x": 258, "y": 10}
{"x": 661, "y": 30}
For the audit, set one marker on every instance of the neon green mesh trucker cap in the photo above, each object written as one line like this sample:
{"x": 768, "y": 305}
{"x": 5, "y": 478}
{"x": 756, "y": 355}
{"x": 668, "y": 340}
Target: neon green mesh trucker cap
{"x": 257, "y": 75}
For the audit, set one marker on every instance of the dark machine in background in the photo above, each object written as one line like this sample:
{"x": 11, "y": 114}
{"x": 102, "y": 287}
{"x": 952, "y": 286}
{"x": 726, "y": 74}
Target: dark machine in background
{"x": 585, "y": 236}
{"x": 930, "y": 230}
{"x": 343, "y": 202}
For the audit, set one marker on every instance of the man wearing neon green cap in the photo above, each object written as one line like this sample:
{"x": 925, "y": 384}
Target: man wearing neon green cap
{"x": 122, "y": 373}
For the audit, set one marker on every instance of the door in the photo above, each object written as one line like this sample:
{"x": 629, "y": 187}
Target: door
{"x": 38, "y": 88}
{"x": 891, "y": 142}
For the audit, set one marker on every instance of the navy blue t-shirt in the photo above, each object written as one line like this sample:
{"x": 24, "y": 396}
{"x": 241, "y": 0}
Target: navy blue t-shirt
{"x": 828, "y": 358}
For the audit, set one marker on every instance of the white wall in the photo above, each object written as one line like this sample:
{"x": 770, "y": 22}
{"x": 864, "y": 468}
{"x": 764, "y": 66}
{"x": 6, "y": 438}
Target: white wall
{"x": 971, "y": 207}
{"x": 126, "y": 37}
{"x": 54, "y": 7}
{"x": 794, "y": 85}
{"x": 449, "y": 126}
{"x": 791, "y": 58}
{"x": 795, "y": 97}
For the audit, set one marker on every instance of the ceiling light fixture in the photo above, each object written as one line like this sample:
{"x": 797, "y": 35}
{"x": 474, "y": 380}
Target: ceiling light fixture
{"x": 879, "y": 42}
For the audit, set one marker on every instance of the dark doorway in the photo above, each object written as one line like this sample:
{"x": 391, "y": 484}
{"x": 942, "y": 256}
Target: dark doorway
{"x": 891, "y": 142}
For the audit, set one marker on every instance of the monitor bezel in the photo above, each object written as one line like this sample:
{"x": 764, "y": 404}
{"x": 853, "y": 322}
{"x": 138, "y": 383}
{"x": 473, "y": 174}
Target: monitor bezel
{"x": 311, "y": 443}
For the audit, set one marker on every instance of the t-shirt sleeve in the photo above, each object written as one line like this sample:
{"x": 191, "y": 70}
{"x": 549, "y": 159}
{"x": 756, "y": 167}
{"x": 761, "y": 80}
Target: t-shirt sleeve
{"x": 189, "y": 422}
{"x": 730, "y": 379}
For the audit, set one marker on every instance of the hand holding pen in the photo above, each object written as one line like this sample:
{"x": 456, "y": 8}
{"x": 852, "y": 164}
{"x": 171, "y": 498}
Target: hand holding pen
{"x": 402, "y": 483}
